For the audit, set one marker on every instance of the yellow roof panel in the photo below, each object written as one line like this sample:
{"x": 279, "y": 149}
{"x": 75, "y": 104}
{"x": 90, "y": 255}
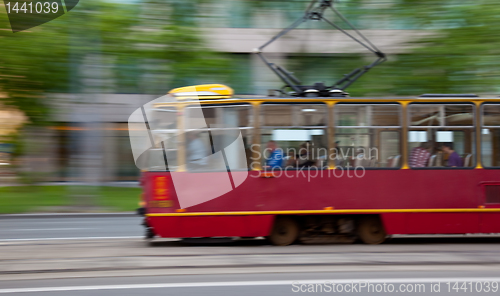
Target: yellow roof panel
{"x": 203, "y": 91}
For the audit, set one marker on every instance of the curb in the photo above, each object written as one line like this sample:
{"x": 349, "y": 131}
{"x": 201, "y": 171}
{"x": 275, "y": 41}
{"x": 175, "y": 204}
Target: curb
{"x": 68, "y": 215}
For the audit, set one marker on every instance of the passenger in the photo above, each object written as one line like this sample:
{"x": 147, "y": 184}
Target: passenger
{"x": 359, "y": 159}
{"x": 419, "y": 156}
{"x": 339, "y": 159}
{"x": 336, "y": 147}
{"x": 305, "y": 155}
{"x": 275, "y": 157}
{"x": 291, "y": 161}
{"x": 197, "y": 151}
{"x": 360, "y": 153}
{"x": 440, "y": 157}
{"x": 454, "y": 160}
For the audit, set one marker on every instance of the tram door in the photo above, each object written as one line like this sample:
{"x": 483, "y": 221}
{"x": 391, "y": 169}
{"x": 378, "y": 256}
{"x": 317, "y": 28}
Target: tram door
{"x": 490, "y": 191}
{"x": 490, "y": 160}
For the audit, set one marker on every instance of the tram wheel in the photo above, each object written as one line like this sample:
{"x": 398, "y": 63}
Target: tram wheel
{"x": 371, "y": 230}
{"x": 285, "y": 231}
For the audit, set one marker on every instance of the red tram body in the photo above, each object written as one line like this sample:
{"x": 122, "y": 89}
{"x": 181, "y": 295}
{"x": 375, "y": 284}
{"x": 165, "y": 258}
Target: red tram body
{"x": 408, "y": 202}
{"x": 338, "y": 204}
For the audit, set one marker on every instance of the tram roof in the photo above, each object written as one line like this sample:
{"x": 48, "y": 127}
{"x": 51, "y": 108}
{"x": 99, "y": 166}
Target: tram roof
{"x": 220, "y": 94}
{"x": 255, "y": 98}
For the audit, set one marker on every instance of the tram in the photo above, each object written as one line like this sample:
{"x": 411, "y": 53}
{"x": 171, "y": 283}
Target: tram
{"x": 312, "y": 164}
{"x": 360, "y": 184}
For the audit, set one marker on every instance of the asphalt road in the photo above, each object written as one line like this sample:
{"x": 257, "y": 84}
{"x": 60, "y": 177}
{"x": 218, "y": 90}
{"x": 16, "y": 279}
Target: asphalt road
{"x": 70, "y": 228}
{"x": 107, "y": 256}
{"x": 465, "y": 282}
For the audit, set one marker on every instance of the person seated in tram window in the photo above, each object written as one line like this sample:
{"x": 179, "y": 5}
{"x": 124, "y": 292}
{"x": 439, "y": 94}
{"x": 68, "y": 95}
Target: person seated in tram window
{"x": 275, "y": 157}
{"x": 419, "y": 156}
{"x": 454, "y": 160}
{"x": 305, "y": 155}
{"x": 339, "y": 160}
{"x": 291, "y": 161}
{"x": 360, "y": 160}
{"x": 197, "y": 151}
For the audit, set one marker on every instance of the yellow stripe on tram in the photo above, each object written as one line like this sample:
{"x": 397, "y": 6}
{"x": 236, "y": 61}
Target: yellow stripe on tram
{"x": 302, "y": 212}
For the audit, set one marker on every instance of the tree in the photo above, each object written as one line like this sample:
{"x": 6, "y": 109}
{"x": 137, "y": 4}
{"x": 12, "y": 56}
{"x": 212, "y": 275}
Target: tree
{"x": 48, "y": 58}
{"x": 459, "y": 56}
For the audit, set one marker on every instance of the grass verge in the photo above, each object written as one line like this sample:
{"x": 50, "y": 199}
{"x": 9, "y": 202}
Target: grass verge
{"x": 25, "y": 199}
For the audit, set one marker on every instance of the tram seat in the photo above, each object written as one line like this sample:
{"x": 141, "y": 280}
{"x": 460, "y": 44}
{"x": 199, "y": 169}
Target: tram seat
{"x": 366, "y": 163}
{"x": 439, "y": 159}
{"x": 373, "y": 162}
{"x": 351, "y": 162}
{"x": 322, "y": 162}
{"x": 468, "y": 160}
{"x": 389, "y": 161}
{"x": 432, "y": 161}
{"x": 340, "y": 162}
{"x": 395, "y": 161}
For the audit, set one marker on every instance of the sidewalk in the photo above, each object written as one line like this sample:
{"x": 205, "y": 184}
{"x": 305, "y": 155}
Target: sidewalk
{"x": 8, "y": 181}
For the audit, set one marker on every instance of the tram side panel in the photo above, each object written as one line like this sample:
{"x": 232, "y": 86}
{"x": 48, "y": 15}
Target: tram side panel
{"x": 401, "y": 197}
{"x": 161, "y": 200}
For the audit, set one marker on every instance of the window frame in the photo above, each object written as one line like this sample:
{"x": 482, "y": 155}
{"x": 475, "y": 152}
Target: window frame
{"x": 175, "y": 132}
{"x": 408, "y": 113}
{"x": 210, "y": 129}
{"x": 473, "y": 128}
{"x": 262, "y": 126}
{"x": 325, "y": 127}
{"x": 392, "y": 128}
{"x": 400, "y": 114}
{"x": 227, "y": 105}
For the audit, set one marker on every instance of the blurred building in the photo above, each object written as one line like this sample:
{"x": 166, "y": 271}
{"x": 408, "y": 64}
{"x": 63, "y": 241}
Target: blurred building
{"x": 10, "y": 120}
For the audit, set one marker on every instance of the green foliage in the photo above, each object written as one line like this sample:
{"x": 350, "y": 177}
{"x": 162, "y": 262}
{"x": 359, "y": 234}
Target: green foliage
{"x": 159, "y": 42}
{"x": 457, "y": 53}
{"x": 459, "y": 56}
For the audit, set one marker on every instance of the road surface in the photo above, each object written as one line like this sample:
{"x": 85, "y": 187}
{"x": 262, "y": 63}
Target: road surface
{"x": 108, "y": 256}
{"x": 68, "y": 228}
{"x": 468, "y": 282}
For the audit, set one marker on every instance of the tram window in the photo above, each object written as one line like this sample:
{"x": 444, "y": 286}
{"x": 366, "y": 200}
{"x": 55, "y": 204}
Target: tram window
{"x": 293, "y": 136}
{"x": 163, "y": 127}
{"x": 425, "y": 115}
{"x": 462, "y": 115}
{"x": 220, "y": 116}
{"x": 367, "y": 135}
{"x": 164, "y": 130}
{"x": 441, "y": 115}
{"x": 275, "y": 115}
{"x": 218, "y": 137}
{"x": 441, "y": 135}
{"x": 367, "y": 115}
{"x": 164, "y": 118}
{"x": 166, "y": 147}
{"x": 490, "y": 135}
